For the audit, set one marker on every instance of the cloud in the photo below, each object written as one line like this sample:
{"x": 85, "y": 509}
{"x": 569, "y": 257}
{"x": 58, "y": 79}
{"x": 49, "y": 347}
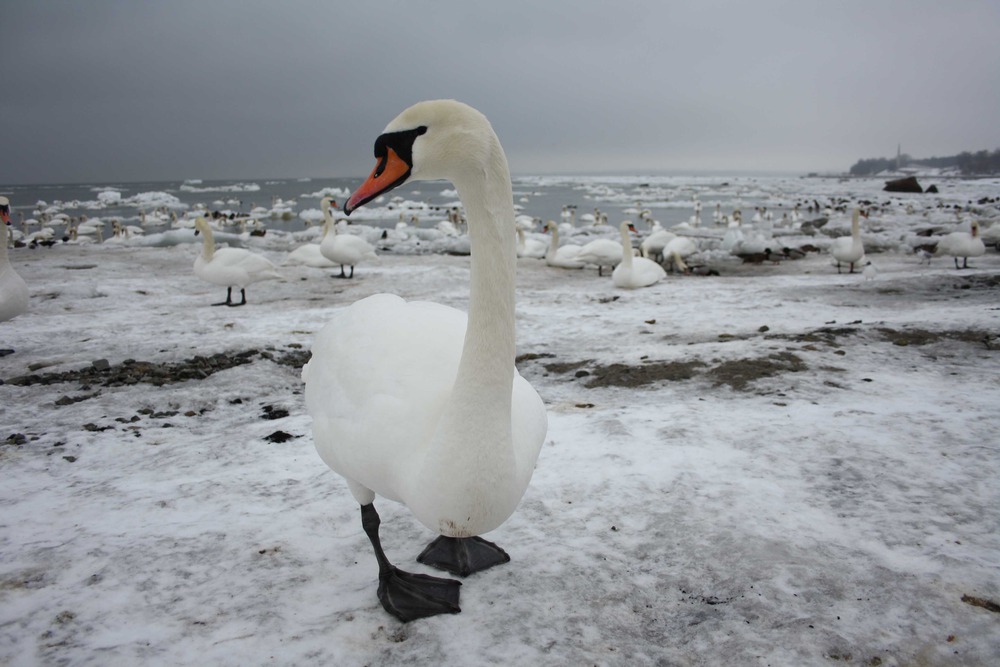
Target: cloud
{"x": 116, "y": 90}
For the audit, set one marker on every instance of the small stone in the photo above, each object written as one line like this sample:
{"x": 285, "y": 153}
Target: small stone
{"x": 101, "y": 364}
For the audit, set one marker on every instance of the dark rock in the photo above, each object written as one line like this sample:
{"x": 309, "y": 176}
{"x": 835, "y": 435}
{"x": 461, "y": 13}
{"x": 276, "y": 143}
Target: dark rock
{"x": 101, "y": 364}
{"x": 931, "y": 190}
{"x": 908, "y": 184}
{"x": 280, "y": 436}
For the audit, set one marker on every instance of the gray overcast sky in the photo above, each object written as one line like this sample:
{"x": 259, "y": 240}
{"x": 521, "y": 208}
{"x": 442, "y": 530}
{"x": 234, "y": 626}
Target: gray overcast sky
{"x": 109, "y": 90}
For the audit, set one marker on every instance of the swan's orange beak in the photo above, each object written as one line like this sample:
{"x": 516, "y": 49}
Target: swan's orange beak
{"x": 390, "y": 171}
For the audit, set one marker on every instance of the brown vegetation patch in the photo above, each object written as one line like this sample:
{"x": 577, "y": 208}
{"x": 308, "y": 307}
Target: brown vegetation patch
{"x": 739, "y": 373}
{"x": 622, "y": 375}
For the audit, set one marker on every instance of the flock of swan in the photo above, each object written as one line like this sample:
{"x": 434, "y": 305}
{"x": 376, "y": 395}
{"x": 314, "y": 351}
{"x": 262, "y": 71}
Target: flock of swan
{"x": 420, "y": 403}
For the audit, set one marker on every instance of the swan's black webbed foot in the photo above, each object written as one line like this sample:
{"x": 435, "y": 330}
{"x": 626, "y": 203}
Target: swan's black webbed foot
{"x": 405, "y": 595}
{"x": 463, "y": 555}
{"x": 409, "y": 596}
{"x": 229, "y": 299}
{"x": 243, "y": 300}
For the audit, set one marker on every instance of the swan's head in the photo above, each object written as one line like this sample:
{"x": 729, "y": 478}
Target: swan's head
{"x": 201, "y": 226}
{"x": 326, "y": 202}
{"x": 5, "y": 210}
{"x": 439, "y": 139}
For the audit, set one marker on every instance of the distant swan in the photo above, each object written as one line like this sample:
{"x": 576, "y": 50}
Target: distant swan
{"x": 343, "y": 249}
{"x": 13, "y": 289}
{"x": 562, "y": 257}
{"x": 601, "y": 253}
{"x": 849, "y": 250}
{"x": 528, "y": 247}
{"x": 635, "y": 272}
{"x": 416, "y": 401}
{"x": 229, "y": 267}
{"x": 962, "y": 244}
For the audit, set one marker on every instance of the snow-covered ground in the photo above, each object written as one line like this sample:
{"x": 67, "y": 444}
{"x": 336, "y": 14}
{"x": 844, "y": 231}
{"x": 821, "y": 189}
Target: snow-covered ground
{"x": 776, "y": 466}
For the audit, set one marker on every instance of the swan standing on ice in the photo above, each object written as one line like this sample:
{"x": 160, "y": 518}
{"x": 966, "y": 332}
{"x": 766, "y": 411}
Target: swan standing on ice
{"x": 13, "y": 289}
{"x": 962, "y": 244}
{"x": 561, "y": 257}
{"x": 848, "y": 249}
{"x": 229, "y": 267}
{"x": 652, "y": 246}
{"x": 343, "y": 249}
{"x": 601, "y": 252}
{"x": 635, "y": 272}
{"x": 417, "y": 402}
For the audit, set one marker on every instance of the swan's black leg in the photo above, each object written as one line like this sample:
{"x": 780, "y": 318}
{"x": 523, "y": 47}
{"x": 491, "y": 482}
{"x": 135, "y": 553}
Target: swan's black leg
{"x": 352, "y": 272}
{"x": 462, "y": 556}
{"x": 243, "y": 299}
{"x": 229, "y": 298}
{"x": 838, "y": 267}
{"x": 342, "y": 274}
{"x": 405, "y": 595}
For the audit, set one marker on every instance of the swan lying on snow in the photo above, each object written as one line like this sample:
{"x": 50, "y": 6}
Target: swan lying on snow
{"x": 635, "y": 272}
{"x": 962, "y": 244}
{"x": 229, "y": 267}
{"x": 562, "y": 257}
{"x": 418, "y": 403}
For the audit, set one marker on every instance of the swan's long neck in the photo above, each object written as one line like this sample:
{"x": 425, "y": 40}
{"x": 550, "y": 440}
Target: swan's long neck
{"x": 554, "y": 244}
{"x": 856, "y": 227}
{"x": 208, "y": 243}
{"x": 473, "y": 437}
{"x": 626, "y": 246}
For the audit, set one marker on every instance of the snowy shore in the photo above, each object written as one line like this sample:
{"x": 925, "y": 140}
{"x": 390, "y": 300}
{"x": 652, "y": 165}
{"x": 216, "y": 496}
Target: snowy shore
{"x": 776, "y": 466}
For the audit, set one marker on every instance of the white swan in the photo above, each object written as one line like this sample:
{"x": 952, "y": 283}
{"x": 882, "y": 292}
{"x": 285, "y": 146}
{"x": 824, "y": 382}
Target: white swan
{"x": 677, "y": 250}
{"x": 962, "y": 244}
{"x": 652, "y": 246}
{"x": 343, "y": 249}
{"x": 13, "y": 289}
{"x": 309, "y": 254}
{"x": 601, "y": 253}
{"x": 562, "y": 257}
{"x": 848, "y": 249}
{"x": 635, "y": 272}
{"x": 229, "y": 267}
{"x": 527, "y": 247}
{"x": 418, "y": 403}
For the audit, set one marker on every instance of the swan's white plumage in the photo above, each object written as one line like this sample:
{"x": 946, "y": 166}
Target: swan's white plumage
{"x": 529, "y": 247}
{"x": 309, "y": 254}
{"x": 13, "y": 289}
{"x": 342, "y": 249}
{"x": 635, "y": 272}
{"x": 562, "y": 257}
{"x": 229, "y": 267}
{"x": 962, "y": 244}
{"x": 849, "y": 249}
{"x": 600, "y": 253}
{"x": 416, "y": 401}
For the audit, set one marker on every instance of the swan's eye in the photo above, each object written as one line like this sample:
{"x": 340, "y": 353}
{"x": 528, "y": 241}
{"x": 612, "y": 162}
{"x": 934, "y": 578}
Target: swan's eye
{"x": 401, "y": 144}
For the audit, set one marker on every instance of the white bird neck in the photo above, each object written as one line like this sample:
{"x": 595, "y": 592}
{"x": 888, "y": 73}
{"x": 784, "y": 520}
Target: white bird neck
{"x": 856, "y": 225}
{"x": 481, "y": 446}
{"x": 208, "y": 242}
{"x": 626, "y": 246}
{"x": 554, "y": 244}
